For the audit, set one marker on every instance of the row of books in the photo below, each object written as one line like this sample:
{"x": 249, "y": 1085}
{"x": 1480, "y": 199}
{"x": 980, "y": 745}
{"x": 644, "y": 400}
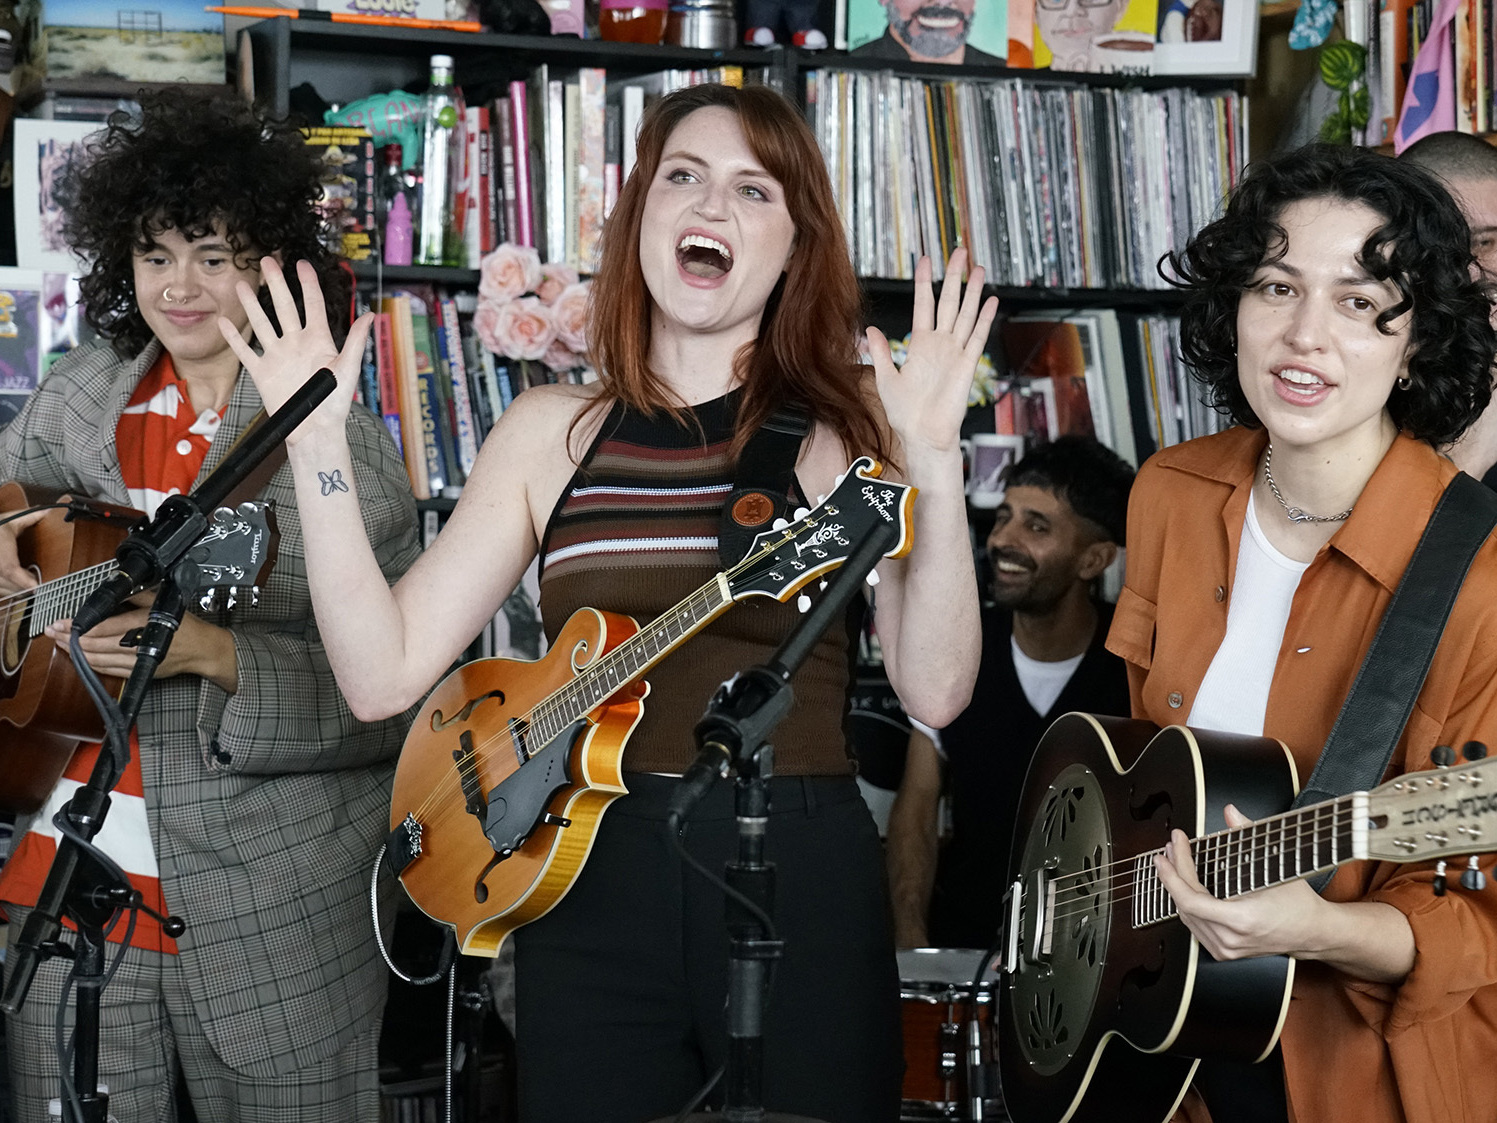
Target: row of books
{"x": 1046, "y": 185}
{"x": 438, "y": 390}
{"x": 560, "y": 145}
{"x": 1099, "y": 372}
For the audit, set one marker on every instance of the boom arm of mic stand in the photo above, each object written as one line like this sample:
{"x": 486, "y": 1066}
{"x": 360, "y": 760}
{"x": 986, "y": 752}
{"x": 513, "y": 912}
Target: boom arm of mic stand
{"x": 740, "y": 716}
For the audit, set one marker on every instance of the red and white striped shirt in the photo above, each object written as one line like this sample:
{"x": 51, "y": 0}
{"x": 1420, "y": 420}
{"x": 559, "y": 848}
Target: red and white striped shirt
{"x": 161, "y": 444}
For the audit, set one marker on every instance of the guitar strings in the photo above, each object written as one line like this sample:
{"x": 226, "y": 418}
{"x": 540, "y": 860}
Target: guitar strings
{"x": 58, "y": 590}
{"x": 564, "y": 702}
{"x": 1122, "y": 876}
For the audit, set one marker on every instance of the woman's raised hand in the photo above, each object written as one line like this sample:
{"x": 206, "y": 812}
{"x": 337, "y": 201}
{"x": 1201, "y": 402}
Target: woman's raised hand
{"x": 290, "y": 356}
{"x": 926, "y": 398}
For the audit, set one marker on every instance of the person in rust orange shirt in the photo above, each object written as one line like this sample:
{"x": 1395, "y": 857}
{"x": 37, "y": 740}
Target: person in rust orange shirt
{"x": 1333, "y": 316}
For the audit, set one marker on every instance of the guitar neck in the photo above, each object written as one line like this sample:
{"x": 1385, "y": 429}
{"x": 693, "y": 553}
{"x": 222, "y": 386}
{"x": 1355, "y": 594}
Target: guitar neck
{"x": 1273, "y": 851}
{"x": 60, "y": 598}
{"x": 628, "y": 661}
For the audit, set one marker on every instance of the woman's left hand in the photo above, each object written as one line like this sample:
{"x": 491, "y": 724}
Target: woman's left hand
{"x": 198, "y": 648}
{"x": 926, "y": 399}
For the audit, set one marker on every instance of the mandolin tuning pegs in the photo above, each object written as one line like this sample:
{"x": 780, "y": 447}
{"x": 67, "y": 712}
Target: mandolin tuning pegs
{"x": 1473, "y": 750}
{"x": 803, "y": 603}
{"x": 779, "y": 524}
{"x": 872, "y": 578}
{"x": 801, "y": 512}
{"x": 1472, "y": 878}
{"x": 1438, "y": 885}
{"x": 1442, "y": 755}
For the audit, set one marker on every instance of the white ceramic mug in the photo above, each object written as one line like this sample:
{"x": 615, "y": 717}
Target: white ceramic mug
{"x": 988, "y": 455}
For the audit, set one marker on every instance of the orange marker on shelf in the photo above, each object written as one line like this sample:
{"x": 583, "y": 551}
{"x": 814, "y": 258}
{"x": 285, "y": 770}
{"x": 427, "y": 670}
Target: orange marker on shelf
{"x": 350, "y": 17}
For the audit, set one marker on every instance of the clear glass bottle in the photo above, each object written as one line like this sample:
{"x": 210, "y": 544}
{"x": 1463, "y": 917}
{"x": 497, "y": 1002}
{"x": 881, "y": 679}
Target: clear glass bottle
{"x": 443, "y": 149}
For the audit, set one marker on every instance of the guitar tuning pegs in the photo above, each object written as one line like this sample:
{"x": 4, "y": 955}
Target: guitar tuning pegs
{"x": 1438, "y": 885}
{"x": 803, "y": 603}
{"x": 1473, "y": 750}
{"x": 823, "y": 586}
{"x": 838, "y": 483}
{"x": 1442, "y": 755}
{"x": 820, "y": 499}
{"x": 872, "y": 578}
{"x": 779, "y": 524}
{"x": 801, "y": 512}
{"x": 1472, "y": 878}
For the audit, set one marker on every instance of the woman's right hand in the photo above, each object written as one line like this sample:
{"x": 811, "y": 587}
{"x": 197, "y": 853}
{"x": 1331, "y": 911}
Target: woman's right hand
{"x": 290, "y": 356}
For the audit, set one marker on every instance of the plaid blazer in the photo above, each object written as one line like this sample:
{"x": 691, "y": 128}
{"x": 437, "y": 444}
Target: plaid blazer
{"x": 266, "y": 806}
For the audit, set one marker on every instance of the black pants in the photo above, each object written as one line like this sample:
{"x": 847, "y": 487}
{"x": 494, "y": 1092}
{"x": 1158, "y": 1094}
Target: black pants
{"x": 620, "y": 990}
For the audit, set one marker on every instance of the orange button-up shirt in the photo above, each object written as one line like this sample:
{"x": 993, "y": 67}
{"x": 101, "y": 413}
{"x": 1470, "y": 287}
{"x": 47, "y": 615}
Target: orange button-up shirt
{"x": 1424, "y": 1051}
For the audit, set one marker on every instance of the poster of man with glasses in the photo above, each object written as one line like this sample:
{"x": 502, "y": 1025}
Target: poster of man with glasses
{"x": 1103, "y": 36}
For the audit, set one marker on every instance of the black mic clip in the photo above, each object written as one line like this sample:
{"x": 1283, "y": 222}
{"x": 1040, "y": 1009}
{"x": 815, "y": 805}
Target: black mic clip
{"x": 739, "y": 718}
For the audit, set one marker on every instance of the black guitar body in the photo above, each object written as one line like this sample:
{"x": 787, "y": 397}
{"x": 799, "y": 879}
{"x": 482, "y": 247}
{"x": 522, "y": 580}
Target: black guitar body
{"x": 1101, "y": 1019}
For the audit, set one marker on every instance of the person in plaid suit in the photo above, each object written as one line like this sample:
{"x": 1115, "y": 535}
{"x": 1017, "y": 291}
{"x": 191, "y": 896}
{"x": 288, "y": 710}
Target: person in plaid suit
{"x": 255, "y": 801}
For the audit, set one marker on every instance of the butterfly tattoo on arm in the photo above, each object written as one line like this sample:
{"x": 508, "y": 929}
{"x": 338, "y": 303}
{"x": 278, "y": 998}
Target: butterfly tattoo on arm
{"x": 332, "y": 481}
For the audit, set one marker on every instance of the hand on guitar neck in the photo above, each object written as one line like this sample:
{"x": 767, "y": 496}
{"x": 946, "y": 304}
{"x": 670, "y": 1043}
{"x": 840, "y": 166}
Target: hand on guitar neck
{"x": 13, "y": 575}
{"x": 1367, "y": 940}
{"x": 199, "y": 647}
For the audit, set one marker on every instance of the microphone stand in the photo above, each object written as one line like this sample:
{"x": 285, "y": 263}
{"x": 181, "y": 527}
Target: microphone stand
{"x": 83, "y": 883}
{"x": 733, "y": 733}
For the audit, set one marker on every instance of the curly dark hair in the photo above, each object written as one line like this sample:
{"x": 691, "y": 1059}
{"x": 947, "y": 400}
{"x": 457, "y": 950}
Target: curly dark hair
{"x": 188, "y": 163}
{"x": 1088, "y": 475}
{"x": 1423, "y": 247}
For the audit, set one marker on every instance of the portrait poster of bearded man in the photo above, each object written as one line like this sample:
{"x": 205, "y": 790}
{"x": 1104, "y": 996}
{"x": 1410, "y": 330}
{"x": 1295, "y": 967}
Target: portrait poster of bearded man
{"x": 957, "y": 32}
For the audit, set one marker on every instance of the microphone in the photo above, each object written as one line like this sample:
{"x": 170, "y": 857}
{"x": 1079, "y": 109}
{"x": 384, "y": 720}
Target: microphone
{"x": 710, "y": 766}
{"x": 149, "y": 553}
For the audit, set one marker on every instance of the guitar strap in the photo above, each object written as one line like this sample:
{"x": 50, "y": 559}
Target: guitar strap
{"x": 1372, "y": 718}
{"x": 761, "y": 485}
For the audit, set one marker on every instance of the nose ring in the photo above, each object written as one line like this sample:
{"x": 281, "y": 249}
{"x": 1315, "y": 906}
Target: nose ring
{"x": 166, "y": 295}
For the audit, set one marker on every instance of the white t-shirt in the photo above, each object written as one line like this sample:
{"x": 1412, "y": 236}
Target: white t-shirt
{"x": 1234, "y": 694}
{"x": 1042, "y": 682}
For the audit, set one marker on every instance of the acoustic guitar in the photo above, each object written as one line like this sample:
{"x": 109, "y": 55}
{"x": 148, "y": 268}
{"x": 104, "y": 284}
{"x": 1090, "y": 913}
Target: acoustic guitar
{"x": 1107, "y": 1000}
{"x": 44, "y": 710}
{"x": 510, "y": 765}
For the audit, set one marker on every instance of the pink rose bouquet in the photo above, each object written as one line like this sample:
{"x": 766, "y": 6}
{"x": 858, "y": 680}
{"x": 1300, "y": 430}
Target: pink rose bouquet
{"x": 531, "y": 311}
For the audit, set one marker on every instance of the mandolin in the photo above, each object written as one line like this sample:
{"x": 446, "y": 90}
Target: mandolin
{"x": 510, "y": 765}
{"x": 44, "y": 710}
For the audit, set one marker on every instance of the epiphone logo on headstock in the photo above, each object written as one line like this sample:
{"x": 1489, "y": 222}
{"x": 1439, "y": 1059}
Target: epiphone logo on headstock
{"x": 1468, "y": 807}
{"x": 881, "y": 499}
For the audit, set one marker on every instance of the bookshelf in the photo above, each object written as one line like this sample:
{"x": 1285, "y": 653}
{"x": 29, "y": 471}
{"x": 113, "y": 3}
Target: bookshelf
{"x": 344, "y": 63}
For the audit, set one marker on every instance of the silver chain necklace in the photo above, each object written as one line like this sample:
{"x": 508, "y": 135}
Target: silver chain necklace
{"x": 1297, "y": 514}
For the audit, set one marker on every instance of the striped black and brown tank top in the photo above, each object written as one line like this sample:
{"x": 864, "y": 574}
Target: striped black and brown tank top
{"x": 635, "y": 532}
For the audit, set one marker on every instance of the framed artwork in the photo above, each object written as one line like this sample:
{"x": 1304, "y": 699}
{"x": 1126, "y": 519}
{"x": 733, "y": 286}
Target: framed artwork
{"x": 965, "y": 32}
{"x": 1096, "y": 36}
{"x": 45, "y": 154}
{"x": 1217, "y": 37}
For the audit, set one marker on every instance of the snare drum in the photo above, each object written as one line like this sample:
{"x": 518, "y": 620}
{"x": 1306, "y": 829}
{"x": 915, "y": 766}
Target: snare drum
{"x": 936, "y": 1005}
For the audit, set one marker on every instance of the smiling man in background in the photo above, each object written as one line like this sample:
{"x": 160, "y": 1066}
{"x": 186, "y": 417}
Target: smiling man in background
{"x": 1061, "y": 523}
